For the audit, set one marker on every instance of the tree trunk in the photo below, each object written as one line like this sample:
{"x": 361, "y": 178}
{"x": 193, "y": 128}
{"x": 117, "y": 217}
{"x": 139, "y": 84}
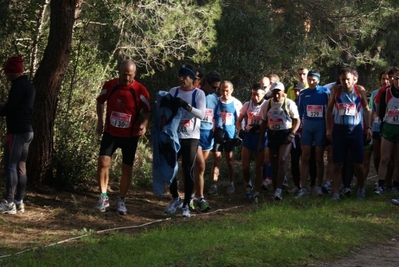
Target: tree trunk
{"x": 47, "y": 81}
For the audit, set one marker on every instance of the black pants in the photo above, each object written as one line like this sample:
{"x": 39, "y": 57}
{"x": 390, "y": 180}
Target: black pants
{"x": 188, "y": 153}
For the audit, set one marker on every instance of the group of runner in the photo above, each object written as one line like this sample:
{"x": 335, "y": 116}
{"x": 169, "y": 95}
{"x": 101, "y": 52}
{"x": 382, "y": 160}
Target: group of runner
{"x": 305, "y": 120}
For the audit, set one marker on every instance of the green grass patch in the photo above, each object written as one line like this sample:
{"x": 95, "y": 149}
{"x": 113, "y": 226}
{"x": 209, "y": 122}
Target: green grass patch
{"x": 293, "y": 232}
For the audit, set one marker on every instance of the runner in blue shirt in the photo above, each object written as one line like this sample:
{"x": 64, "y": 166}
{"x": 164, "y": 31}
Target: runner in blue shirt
{"x": 312, "y": 111}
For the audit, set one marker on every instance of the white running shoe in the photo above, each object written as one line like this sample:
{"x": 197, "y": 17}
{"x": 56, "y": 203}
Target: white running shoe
{"x": 186, "y": 211}
{"x": 175, "y": 204}
{"x": 121, "y": 207}
{"x": 102, "y": 204}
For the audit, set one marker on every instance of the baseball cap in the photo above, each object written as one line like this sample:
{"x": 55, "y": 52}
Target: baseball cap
{"x": 299, "y": 86}
{"x": 277, "y": 86}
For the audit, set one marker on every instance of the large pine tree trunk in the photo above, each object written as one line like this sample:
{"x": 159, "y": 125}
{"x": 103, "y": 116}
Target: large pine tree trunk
{"x": 47, "y": 81}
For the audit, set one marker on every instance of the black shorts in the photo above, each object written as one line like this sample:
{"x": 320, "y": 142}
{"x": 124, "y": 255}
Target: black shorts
{"x": 377, "y": 136}
{"x": 277, "y": 138}
{"x": 227, "y": 146}
{"x": 128, "y": 145}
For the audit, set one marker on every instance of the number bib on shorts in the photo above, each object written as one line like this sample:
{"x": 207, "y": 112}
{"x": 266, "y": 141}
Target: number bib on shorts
{"x": 208, "y": 115}
{"x": 314, "y": 111}
{"x": 347, "y": 109}
{"x": 120, "y": 120}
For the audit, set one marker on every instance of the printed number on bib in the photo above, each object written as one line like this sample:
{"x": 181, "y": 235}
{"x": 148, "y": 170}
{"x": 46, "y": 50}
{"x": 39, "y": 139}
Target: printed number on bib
{"x": 120, "y": 120}
{"x": 276, "y": 124}
{"x": 227, "y": 118}
{"x": 314, "y": 111}
{"x": 393, "y": 116}
{"x": 208, "y": 115}
{"x": 347, "y": 109}
{"x": 184, "y": 126}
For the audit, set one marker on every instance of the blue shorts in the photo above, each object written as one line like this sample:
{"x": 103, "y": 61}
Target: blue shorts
{"x": 251, "y": 141}
{"x": 314, "y": 132}
{"x": 347, "y": 140}
{"x": 206, "y": 140}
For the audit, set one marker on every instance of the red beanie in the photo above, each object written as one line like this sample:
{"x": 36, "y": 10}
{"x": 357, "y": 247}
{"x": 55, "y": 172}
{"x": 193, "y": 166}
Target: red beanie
{"x": 14, "y": 65}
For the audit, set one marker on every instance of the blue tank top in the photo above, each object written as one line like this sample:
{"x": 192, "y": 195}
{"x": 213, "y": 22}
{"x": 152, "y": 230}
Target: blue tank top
{"x": 348, "y": 107}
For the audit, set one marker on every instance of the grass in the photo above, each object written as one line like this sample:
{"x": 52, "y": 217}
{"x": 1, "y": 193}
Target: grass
{"x": 291, "y": 233}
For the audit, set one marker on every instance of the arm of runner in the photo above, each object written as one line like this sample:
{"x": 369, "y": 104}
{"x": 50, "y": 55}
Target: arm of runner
{"x": 263, "y": 127}
{"x": 329, "y": 111}
{"x": 366, "y": 112}
{"x": 144, "y": 123}
{"x": 100, "y": 115}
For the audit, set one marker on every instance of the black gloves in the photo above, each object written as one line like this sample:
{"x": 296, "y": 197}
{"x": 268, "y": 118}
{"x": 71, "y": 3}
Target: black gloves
{"x": 177, "y": 101}
{"x": 218, "y": 135}
{"x": 255, "y": 129}
{"x": 241, "y": 134}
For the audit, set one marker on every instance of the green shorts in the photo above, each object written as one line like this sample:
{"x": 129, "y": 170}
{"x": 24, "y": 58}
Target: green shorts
{"x": 390, "y": 132}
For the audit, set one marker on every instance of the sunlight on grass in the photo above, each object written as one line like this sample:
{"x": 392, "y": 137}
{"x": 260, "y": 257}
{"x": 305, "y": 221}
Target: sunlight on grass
{"x": 295, "y": 232}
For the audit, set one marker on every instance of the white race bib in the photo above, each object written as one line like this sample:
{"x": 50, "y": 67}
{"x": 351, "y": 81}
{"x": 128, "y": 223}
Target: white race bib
{"x": 347, "y": 109}
{"x": 120, "y": 120}
{"x": 314, "y": 111}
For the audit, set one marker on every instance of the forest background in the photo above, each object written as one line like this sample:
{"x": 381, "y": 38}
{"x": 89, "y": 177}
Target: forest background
{"x": 71, "y": 47}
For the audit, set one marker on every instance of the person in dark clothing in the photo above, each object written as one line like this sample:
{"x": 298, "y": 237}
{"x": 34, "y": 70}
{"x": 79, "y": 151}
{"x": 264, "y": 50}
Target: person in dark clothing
{"x": 18, "y": 113}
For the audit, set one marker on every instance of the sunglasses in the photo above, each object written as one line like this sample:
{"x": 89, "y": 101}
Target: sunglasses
{"x": 214, "y": 87}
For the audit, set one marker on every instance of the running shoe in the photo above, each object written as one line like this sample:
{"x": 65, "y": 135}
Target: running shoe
{"x": 186, "y": 211}
{"x": 7, "y": 208}
{"x": 213, "y": 191}
{"x": 395, "y": 201}
{"x": 335, "y": 197}
{"x": 346, "y": 192}
{"x": 318, "y": 191}
{"x": 379, "y": 190}
{"x": 361, "y": 194}
{"x": 102, "y": 204}
{"x": 175, "y": 204}
{"x": 294, "y": 191}
{"x": 326, "y": 187}
{"x": 203, "y": 205}
{"x": 230, "y": 189}
{"x": 121, "y": 207}
{"x": 191, "y": 205}
{"x": 255, "y": 199}
{"x": 248, "y": 193}
{"x": 278, "y": 196}
{"x": 302, "y": 192}
{"x": 267, "y": 184}
{"x": 20, "y": 206}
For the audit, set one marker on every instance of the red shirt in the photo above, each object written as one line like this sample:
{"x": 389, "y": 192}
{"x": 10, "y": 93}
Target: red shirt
{"x": 124, "y": 103}
{"x": 378, "y": 95}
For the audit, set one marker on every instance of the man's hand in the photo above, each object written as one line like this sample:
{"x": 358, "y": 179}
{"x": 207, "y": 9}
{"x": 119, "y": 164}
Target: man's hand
{"x": 100, "y": 127}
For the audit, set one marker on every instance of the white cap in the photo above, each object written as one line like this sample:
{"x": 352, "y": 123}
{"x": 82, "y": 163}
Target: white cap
{"x": 277, "y": 86}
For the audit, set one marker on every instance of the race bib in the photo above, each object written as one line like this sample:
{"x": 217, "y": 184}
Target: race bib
{"x": 392, "y": 116}
{"x": 314, "y": 111}
{"x": 208, "y": 115}
{"x": 276, "y": 124}
{"x": 253, "y": 119}
{"x": 120, "y": 120}
{"x": 347, "y": 109}
{"x": 184, "y": 126}
{"x": 227, "y": 118}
